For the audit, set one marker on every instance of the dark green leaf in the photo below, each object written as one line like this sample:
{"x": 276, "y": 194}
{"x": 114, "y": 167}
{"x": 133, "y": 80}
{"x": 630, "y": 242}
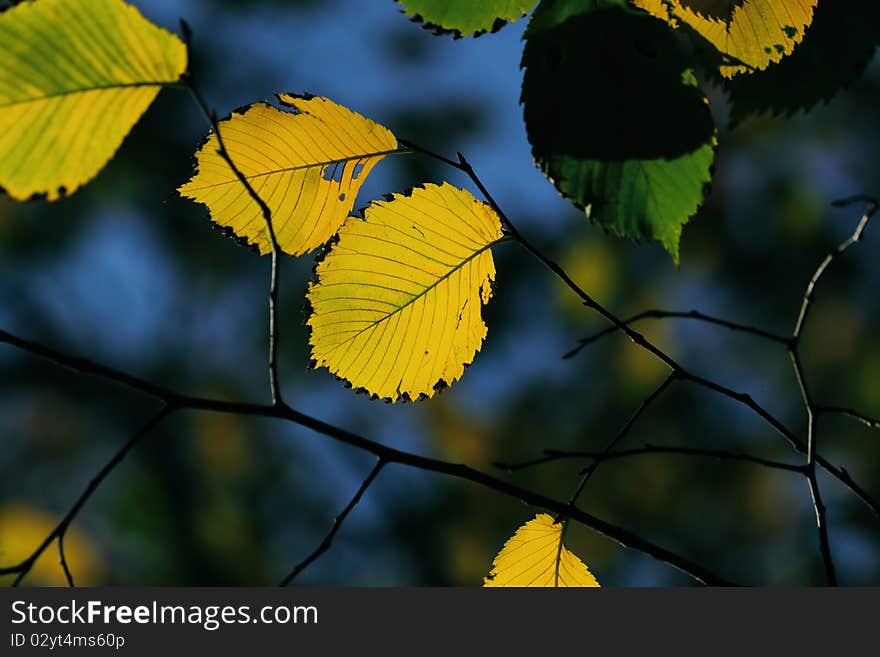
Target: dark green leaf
{"x": 835, "y": 52}
{"x": 615, "y": 117}
{"x": 466, "y": 17}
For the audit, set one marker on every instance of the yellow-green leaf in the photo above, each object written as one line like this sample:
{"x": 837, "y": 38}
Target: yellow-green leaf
{"x": 306, "y": 165}
{"x": 751, "y": 34}
{"x": 396, "y": 309}
{"x": 535, "y": 556}
{"x": 76, "y": 76}
{"x": 466, "y": 17}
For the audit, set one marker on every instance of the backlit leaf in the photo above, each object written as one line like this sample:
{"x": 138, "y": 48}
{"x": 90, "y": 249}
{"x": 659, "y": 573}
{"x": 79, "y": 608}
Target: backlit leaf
{"x": 751, "y": 34}
{"x": 618, "y": 125}
{"x": 306, "y": 165}
{"x": 76, "y": 76}
{"x": 396, "y": 309}
{"x": 465, "y": 17}
{"x": 532, "y": 557}
{"x": 835, "y": 51}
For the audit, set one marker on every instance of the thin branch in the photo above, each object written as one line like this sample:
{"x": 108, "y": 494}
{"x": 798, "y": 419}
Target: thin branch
{"x": 62, "y": 559}
{"x": 856, "y": 237}
{"x": 870, "y": 422}
{"x": 810, "y": 405}
{"x": 177, "y": 402}
{"x": 337, "y": 525}
{"x": 810, "y": 469}
{"x": 841, "y": 474}
{"x": 553, "y": 455}
{"x": 671, "y": 314}
{"x": 24, "y": 567}
{"x": 274, "y": 280}
{"x": 617, "y": 324}
{"x": 624, "y": 430}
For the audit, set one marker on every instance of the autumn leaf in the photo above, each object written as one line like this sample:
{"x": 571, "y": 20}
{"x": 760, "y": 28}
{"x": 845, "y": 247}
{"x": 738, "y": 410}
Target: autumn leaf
{"x": 306, "y": 165}
{"x": 836, "y": 50}
{"x": 750, "y": 34}
{"x": 620, "y": 127}
{"x": 77, "y": 75}
{"x": 466, "y": 17}
{"x": 396, "y": 308}
{"x": 535, "y": 556}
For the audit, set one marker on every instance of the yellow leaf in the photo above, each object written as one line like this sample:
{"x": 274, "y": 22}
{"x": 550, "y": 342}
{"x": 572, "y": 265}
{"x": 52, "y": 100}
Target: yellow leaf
{"x": 754, "y": 33}
{"x": 77, "y": 75}
{"x": 532, "y": 557}
{"x": 396, "y": 309}
{"x": 307, "y": 166}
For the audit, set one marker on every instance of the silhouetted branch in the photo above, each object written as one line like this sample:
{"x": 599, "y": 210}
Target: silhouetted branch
{"x": 553, "y": 455}
{"x": 870, "y": 422}
{"x": 671, "y": 314}
{"x": 679, "y": 371}
{"x": 62, "y": 559}
{"x": 175, "y": 402}
{"x": 337, "y": 525}
{"x": 624, "y": 430}
{"x": 24, "y": 567}
{"x": 831, "y": 257}
{"x": 810, "y": 405}
{"x": 274, "y": 280}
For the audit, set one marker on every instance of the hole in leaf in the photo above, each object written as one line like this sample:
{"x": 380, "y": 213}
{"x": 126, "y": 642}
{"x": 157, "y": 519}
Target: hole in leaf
{"x": 334, "y": 173}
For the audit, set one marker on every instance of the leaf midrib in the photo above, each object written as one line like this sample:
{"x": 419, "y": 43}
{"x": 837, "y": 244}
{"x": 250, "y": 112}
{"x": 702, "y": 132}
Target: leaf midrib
{"x": 421, "y": 294}
{"x": 312, "y": 165}
{"x": 70, "y": 92}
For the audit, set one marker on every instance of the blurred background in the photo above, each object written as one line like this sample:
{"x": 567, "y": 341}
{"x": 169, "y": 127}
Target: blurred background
{"x": 127, "y": 273}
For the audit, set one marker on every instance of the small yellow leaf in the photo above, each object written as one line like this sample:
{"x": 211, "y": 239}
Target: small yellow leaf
{"x": 754, "y": 33}
{"x": 396, "y": 309}
{"x": 533, "y": 556}
{"x": 77, "y": 75}
{"x": 306, "y": 165}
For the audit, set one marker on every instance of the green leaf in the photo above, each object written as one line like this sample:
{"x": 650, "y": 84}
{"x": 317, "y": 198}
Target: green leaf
{"x": 77, "y": 75}
{"x": 466, "y": 17}
{"x": 615, "y": 117}
{"x": 835, "y": 51}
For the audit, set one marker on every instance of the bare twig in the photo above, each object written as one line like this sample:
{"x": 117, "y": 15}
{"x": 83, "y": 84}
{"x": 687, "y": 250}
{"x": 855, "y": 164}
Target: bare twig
{"x": 176, "y": 401}
{"x": 274, "y": 280}
{"x": 553, "y": 455}
{"x": 24, "y": 567}
{"x": 670, "y": 314}
{"x": 624, "y": 430}
{"x": 62, "y": 559}
{"x": 337, "y": 525}
{"x": 870, "y": 422}
{"x": 856, "y": 237}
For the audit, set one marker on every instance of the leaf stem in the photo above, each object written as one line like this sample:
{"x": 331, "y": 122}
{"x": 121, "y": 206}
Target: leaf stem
{"x": 275, "y": 275}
